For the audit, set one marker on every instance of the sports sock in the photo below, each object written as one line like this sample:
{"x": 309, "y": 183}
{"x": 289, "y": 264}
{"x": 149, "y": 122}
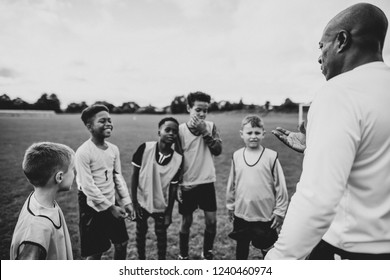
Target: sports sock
{"x": 208, "y": 243}
{"x": 184, "y": 239}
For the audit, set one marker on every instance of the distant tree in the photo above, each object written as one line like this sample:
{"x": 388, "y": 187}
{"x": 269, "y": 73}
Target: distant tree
{"x": 213, "y": 107}
{"x": 288, "y": 106}
{"x": 50, "y": 102}
{"x": 54, "y": 103}
{"x": 179, "y": 105}
{"x": 240, "y": 105}
{"x": 5, "y": 102}
{"x": 129, "y": 107}
{"x": 251, "y": 106}
{"x": 147, "y": 110}
{"x": 225, "y": 106}
{"x": 20, "y": 104}
{"x": 76, "y": 107}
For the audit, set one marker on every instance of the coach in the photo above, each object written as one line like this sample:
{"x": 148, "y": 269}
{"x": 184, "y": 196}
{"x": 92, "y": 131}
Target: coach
{"x": 342, "y": 204}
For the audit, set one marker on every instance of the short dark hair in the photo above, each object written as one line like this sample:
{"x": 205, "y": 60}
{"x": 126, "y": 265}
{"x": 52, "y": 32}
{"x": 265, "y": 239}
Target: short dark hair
{"x": 168, "y": 119}
{"x": 197, "y": 96}
{"x": 91, "y": 111}
{"x": 42, "y": 160}
{"x": 254, "y": 120}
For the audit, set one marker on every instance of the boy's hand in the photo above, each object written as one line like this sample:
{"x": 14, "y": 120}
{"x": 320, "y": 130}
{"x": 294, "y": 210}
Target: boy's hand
{"x": 198, "y": 124}
{"x": 277, "y": 221}
{"x": 231, "y": 215}
{"x": 295, "y": 140}
{"x": 118, "y": 212}
{"x": 130, "y": 211}
{"x": 179, "y": 194}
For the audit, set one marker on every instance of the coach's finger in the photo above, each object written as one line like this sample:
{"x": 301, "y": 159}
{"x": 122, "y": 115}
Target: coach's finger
{"x": 282, "y": 131}
{"x": 280, "y": 136}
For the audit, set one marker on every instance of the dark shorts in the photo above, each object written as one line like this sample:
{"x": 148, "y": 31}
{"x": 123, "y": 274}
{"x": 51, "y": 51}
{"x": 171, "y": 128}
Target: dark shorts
{"x": 98, "y": 229}
{"x": 260, "y": 233}
{"x": 326, "y": 251}
{"x": 202, "y": 196}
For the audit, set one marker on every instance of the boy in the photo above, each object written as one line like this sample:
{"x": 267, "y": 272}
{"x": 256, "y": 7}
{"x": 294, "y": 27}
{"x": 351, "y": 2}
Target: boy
{"x": 41, "y": 232}
{"x": 154, "y": 184}
{"x": 256, "y": 196}
{"x": 100, "y": 182}
{"x": 199, "y": 141}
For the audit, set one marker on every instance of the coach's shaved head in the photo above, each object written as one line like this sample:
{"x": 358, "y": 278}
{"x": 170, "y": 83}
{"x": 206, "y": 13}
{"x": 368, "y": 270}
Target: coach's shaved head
{"x": 355, "y": 36}
{"x": 366, "y": 23}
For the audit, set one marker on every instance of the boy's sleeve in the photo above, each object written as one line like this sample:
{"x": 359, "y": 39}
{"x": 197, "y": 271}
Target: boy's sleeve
{"x": 137, "y": 157}
{"x": 281, "y": 194}
{"x": 120, "y": 183}
{"x": 231, "y": 188}
{"x": 213, "y": 141}
{"x": 87, "y": 184}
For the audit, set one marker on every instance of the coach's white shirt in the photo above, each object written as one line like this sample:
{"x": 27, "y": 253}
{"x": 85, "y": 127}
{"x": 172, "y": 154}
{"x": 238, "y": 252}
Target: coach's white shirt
{"x": 343, "y": 195}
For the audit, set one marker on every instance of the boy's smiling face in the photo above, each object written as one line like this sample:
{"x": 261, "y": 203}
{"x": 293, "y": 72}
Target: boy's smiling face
{"x": 199, "y": 109}
{"x": 101, "y": 125}
{"x": 252, "y": 136}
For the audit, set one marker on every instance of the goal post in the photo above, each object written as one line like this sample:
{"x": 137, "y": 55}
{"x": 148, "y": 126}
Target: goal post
{"x": 300, "y": 112}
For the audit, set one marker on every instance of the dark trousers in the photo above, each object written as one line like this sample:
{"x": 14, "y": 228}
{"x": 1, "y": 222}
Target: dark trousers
{"x": 326, "y": 251}
{"x": 160, "y": 230}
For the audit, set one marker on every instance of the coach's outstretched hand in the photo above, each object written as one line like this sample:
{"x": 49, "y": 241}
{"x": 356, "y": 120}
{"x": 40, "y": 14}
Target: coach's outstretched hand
{"x": 295, "y": 140}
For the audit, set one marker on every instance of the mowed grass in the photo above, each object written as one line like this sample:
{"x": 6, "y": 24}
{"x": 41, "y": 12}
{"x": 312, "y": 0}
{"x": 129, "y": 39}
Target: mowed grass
{"x": 129, "y": 132}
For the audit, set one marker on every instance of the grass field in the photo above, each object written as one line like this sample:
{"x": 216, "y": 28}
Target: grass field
{"x": 129, "y": 132}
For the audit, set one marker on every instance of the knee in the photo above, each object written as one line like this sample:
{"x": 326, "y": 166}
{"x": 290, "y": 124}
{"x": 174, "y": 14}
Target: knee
{"x": 211, "y": 225}
{"x": 186, "y": 223}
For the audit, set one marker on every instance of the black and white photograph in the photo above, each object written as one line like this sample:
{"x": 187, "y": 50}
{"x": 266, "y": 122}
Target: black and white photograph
{"x": 153, "y": 130}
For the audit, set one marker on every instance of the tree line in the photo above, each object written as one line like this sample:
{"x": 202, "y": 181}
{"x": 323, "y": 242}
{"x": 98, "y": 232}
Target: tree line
{"x": 177, "y": 106}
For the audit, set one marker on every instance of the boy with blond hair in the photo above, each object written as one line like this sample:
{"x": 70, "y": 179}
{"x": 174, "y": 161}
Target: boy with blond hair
{"x": 100, "y": 181}
{"x": 154, "y": 182}
{"x": 199, "y": 142}
{"x": 256, "y": 195}
{"x": 41, "y": 232}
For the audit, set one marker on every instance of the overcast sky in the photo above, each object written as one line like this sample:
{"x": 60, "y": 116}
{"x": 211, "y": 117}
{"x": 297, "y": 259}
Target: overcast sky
{"x": 150, "y": 51}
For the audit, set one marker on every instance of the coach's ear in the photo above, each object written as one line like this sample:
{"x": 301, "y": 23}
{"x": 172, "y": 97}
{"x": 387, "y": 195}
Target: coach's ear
{"x": 59, "y": 177}
{"x": 343, "y": 40}
{"x": 188, "y": 108}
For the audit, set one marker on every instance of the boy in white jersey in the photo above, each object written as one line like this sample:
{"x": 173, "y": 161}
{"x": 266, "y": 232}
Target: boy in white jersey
{"x": 256, "y": 196}
{"x": 199, "y": 142}
{"x": 41, "y": 232}
{"x": 154, "y": 184}
{"x": 100, "y": 184}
